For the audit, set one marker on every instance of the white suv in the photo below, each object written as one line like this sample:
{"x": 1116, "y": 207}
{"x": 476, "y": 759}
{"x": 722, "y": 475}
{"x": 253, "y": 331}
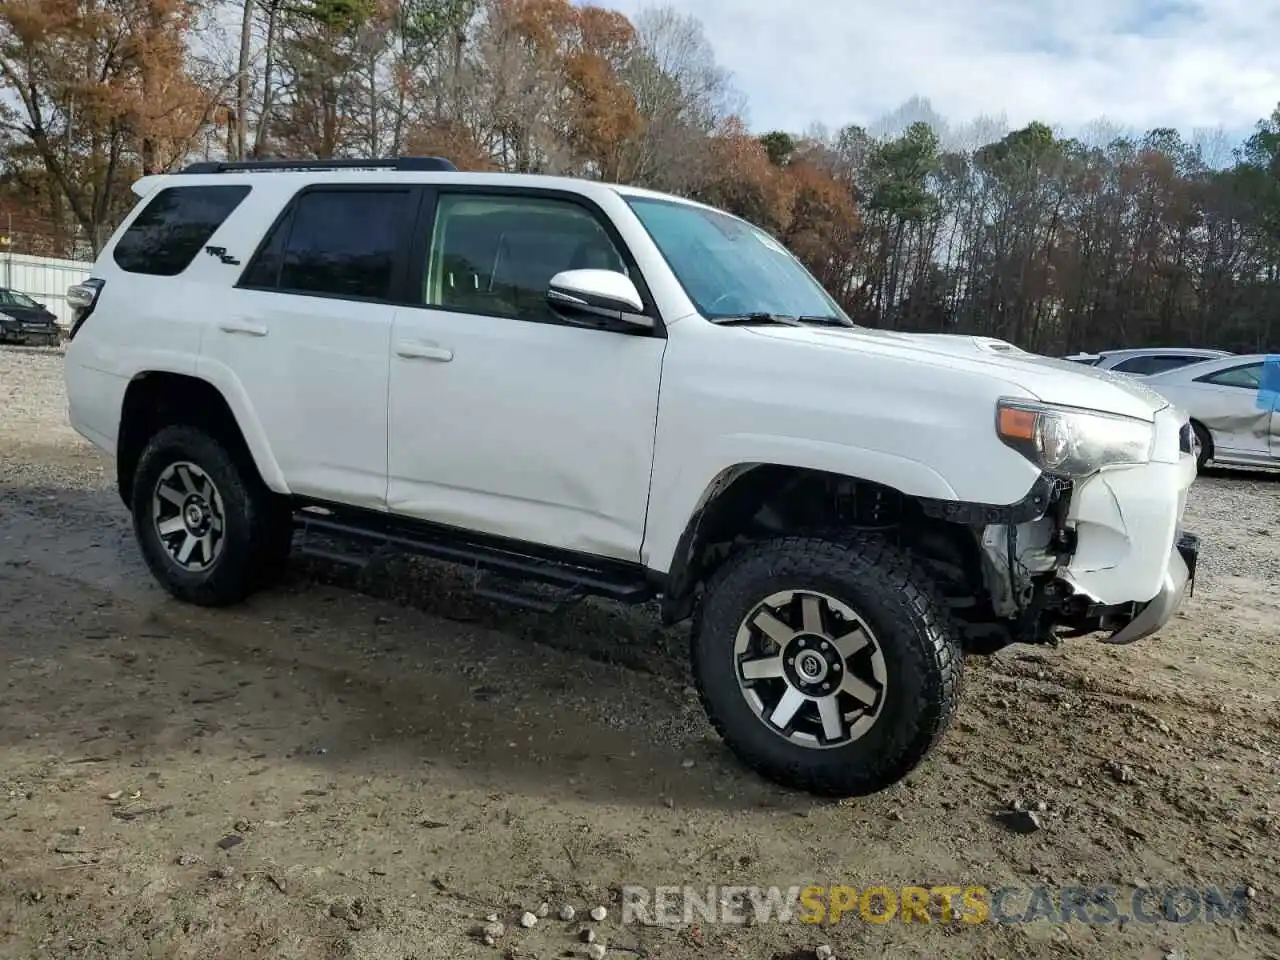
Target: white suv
{"x": 583, "y": 388}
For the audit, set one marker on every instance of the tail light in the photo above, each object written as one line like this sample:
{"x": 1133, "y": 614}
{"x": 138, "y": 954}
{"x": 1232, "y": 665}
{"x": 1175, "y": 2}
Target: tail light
{"x": 82, "y": 298}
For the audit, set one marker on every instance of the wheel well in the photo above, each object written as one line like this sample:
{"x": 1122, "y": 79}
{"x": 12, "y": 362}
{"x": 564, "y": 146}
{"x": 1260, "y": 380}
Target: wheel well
{"x": 157, "y": 400}
{"x": 1205, "y": 433}
{"x": 753, "y": 502}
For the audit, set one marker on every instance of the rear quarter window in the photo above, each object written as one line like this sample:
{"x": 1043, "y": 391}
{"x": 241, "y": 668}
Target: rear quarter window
{"x": 174, "y": 226}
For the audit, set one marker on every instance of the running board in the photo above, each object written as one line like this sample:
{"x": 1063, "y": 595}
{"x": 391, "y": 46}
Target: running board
{"x": 527, "y": 594}
{"x": 333, "y": 556}
{"x": 576, "y": 576}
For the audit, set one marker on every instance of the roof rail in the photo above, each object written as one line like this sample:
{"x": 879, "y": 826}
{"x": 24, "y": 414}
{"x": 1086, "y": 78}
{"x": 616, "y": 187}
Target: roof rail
{"x": 404, "y": 164}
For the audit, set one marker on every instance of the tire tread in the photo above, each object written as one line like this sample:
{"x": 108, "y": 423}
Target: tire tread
{"x": 252, "y": 554}
{"x": 933, "y": 650}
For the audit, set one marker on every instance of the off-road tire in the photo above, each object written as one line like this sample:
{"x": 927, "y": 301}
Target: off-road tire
{"x": 256, "y": 530}
{"x": 900, "y": 605}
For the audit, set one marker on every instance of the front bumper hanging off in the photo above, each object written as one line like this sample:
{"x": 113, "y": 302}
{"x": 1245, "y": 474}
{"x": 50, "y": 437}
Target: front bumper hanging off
{"x": 1179, "y": 581}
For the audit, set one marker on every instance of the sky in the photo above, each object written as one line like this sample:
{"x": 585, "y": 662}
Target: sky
{"x": 1185, "y": 64}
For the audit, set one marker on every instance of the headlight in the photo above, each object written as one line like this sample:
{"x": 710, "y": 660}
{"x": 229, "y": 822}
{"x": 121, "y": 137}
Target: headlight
{"x": 5, "y": 318}
{"x": 1070, "y": 441}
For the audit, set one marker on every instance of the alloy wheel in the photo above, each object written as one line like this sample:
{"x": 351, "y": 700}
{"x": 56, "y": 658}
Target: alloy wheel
{"x": 188, "y": 515}
{"x": 810, "y": 668}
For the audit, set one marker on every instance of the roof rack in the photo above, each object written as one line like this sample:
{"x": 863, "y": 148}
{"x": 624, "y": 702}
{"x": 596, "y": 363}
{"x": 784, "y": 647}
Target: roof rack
{"x": 404, "y": 164}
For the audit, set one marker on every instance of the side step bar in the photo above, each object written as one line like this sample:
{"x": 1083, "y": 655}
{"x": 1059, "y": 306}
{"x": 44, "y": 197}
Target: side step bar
{"x": 334, "y": 556}
{"x": 620, "y": 582}
{"x": 543, "y": 598}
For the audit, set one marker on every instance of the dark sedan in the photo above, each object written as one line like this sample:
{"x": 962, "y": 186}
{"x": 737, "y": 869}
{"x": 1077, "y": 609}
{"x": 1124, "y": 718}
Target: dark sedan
{"x": 22, "y": 320}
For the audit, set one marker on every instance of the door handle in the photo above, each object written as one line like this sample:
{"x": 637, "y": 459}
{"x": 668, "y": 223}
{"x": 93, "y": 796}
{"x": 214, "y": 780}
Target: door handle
{"x": 423, "y": 350}
{"x": 243, "y": 326}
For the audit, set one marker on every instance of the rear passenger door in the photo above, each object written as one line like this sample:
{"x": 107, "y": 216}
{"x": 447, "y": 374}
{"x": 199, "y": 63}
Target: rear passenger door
{"x": 307, "y": 335}
{"x": 504, "y": 417}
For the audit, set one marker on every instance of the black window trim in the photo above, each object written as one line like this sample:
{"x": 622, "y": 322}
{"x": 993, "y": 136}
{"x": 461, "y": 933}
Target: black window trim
{"x": 244, "y": 188}
{"x": 399, "y": 295}
{"x": 1205, "y": 378}
{"x": 425, "y": 230}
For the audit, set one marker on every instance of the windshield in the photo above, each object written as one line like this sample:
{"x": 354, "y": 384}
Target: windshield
{"x": 730, "y": 268}
{"x": 12, "y": 298}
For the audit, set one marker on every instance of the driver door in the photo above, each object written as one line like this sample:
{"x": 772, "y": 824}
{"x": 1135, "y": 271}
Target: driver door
{"x": 503, "y": 417}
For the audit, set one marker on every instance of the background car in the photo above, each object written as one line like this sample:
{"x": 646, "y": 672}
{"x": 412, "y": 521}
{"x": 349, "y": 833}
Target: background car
{"x": 22, "y": 320}
{"x": 1145, "y": 361}
{"x": 1231, "y": 403}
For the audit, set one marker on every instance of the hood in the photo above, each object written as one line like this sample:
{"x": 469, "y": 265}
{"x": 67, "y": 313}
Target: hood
{"x": 1045, "y": 378}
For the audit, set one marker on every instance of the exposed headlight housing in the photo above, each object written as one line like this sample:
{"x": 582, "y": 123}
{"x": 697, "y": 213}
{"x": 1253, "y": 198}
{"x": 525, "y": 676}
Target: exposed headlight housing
{"x": 1072, "y": 441}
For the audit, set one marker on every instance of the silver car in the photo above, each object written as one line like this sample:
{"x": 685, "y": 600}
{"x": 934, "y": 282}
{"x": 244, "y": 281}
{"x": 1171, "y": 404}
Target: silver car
{"x": 1145, "y": 361}
{"x": 1232, "y": 406}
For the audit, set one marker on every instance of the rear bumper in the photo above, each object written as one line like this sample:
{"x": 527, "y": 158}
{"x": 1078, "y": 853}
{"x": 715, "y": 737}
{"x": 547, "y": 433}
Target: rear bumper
{"x": 1179, "y": 579}
{"x": 94, "y": 402}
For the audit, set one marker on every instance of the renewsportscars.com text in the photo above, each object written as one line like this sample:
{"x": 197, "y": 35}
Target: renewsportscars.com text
{"x": 671, "y": 905}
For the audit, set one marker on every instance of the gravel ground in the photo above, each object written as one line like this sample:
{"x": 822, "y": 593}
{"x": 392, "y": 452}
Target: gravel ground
{"x": 370, "y": 766}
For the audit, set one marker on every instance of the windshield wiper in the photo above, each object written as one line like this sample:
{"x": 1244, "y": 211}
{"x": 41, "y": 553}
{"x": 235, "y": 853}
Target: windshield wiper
{"x": 745, "y": 318}
{"x": 826, "y": 321}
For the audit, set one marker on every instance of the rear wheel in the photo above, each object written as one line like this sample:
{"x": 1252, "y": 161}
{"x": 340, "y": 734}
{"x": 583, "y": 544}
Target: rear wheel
{"x": 826, "y": 665}
{"x": 209, "y": 529}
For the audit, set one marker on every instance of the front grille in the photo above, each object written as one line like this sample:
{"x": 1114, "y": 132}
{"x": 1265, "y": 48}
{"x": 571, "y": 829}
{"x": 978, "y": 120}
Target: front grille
{"x": 1185, "y": 438}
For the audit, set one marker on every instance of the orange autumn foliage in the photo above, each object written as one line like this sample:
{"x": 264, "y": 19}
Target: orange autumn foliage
{"x": 584, "y": 47}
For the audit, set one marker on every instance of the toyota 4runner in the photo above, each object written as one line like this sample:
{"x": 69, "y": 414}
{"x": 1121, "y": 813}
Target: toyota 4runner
{"x": 579, "y": 388}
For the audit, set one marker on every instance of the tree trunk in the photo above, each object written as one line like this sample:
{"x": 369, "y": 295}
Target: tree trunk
{"x": 264, "y": 119}
{"x": 242, "y": 81}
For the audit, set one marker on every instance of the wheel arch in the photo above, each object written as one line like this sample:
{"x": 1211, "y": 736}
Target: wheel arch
{"x": 156, "y": 399}
{"x": 749, "y": 501}
{"x": 1205, "y": 433}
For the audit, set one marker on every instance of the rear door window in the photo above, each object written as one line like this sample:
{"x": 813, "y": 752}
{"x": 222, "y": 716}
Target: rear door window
{"x": 342, "y": 243}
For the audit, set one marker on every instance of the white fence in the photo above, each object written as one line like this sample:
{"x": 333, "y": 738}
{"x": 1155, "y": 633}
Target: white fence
{"x": 44, "y": 279}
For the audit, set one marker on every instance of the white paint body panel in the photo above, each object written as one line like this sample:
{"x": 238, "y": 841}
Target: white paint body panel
{"x": 318, "y": 383}
{"x": 599, "y": 442}
{"x": 534, "y": 431}
{"x": 1127, "y": 519}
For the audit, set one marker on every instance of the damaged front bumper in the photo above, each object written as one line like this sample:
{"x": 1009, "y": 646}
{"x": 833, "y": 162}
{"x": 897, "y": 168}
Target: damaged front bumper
{"x": 1108, "y": 556}
{"x": 1179, "y": 581}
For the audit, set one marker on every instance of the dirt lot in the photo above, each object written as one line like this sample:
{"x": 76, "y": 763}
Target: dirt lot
{"x": 399, "y": 761}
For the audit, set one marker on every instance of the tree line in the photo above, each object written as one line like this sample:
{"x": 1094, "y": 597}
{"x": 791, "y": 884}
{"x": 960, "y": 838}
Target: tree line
{"x": 1054, "y": 243}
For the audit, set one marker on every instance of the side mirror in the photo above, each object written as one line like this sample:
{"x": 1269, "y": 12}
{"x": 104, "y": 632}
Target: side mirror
{"x": 596, "y": 296}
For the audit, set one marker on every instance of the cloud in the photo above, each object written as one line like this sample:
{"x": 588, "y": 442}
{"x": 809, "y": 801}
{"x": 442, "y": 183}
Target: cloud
{"x": 1139, "y": 63}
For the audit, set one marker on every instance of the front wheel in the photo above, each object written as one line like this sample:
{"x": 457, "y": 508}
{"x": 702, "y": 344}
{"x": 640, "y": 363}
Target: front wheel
{"x": 826, "y": 665}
